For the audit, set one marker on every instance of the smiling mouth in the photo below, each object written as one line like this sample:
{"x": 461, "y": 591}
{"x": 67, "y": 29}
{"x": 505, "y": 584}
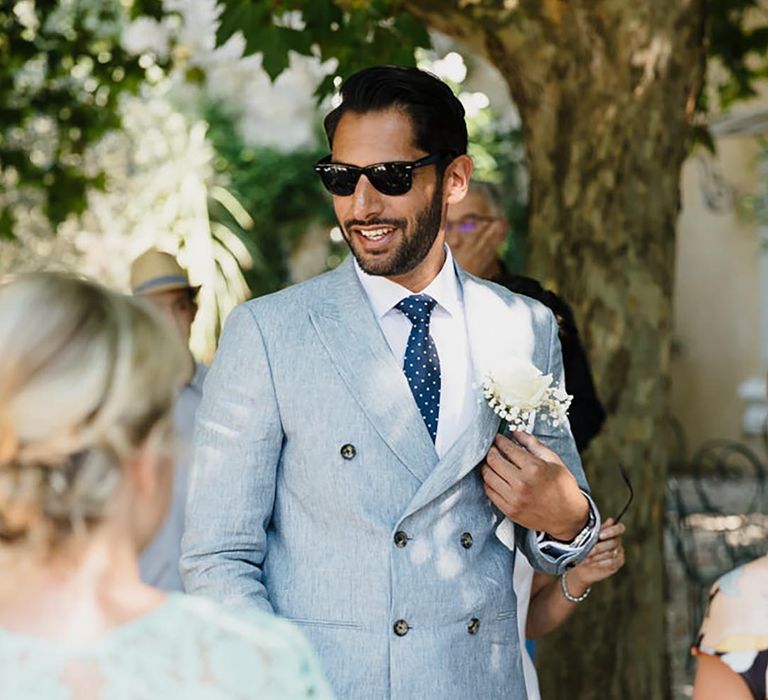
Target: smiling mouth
{"x": 375, "y": 234}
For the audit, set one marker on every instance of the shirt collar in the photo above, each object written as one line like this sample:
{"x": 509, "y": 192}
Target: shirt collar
{"x": 384, "y": 294}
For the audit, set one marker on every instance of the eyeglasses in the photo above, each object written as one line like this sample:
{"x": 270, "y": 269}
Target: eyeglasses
{"x": 631, "y": 496}
{"x": 469, "y": 224}
{"x": 394, "y": 178}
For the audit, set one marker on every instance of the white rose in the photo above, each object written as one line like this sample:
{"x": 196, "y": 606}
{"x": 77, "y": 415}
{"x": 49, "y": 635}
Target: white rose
{"x": 519, "y": 384}
{"x": 517, "y": 389}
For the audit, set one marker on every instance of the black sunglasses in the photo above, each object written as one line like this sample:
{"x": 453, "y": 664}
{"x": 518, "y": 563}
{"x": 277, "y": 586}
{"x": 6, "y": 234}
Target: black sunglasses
{"x": 392, "y": 179}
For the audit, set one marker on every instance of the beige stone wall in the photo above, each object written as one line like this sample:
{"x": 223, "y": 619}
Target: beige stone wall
{"x": 717, "y": 301}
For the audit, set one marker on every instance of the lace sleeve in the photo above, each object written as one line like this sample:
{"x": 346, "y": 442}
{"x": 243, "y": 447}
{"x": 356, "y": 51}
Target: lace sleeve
{"x": 264, "y": 655}
{"x": 310, "y": 679}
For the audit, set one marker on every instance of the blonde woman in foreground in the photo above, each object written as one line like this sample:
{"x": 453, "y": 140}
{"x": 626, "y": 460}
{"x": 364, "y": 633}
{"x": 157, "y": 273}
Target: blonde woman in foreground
{"x": 87, "y": 382}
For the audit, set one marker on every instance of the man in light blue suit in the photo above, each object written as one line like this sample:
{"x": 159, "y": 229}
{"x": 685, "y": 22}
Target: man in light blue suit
{"x": 348, "y": 474}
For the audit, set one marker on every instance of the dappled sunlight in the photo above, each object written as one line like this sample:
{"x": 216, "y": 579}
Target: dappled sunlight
{"x": 652, "y": 60}
{"x": 419, "y": 552}
{"x": 440, "y": 547}
{"x": 449, "y": 502}
{"x": 448, "y": 563}
{"x": 490, "y": 347}
{"x": 499, "y": 656}
{"x": 738, "y": 530}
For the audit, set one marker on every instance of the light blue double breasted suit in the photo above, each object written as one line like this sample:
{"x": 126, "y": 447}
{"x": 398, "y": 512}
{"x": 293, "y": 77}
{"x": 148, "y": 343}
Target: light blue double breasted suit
{"x": 317, "y": 492}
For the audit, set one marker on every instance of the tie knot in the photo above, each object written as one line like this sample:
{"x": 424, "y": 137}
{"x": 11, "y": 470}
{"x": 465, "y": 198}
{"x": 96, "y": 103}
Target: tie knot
{"x": 417, "y": 308}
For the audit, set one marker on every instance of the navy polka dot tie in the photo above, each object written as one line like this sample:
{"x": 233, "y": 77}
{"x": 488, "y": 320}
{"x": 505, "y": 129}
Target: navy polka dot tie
{"x": 421, "y": 363}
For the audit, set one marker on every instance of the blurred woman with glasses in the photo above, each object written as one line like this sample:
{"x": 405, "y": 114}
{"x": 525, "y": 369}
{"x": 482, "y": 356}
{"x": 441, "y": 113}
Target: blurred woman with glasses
{"x": 87, "y": 382}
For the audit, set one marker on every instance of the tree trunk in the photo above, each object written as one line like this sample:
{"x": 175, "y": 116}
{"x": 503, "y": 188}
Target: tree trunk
{"x": 605, "y": 90}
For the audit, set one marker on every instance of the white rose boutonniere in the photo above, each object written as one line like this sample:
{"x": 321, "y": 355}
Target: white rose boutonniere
{"x": 518, "y": 390}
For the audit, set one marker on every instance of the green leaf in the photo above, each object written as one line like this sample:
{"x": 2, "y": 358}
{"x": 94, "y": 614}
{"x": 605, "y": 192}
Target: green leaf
{"x": 272, "y": 42}
{"x": 7, "y": 221}
{"x": 242, "y": 15}
{"x": 740, "y": 43}
{"x": 357, "y": 34}
{"x": 321, "y": 16}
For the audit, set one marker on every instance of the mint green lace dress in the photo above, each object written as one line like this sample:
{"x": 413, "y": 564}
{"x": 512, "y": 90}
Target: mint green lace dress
{"x": 188, "y": 648}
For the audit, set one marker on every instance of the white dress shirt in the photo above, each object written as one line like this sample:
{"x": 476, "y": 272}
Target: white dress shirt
{"x": 523, "y": 582}
{"x": 448, "y": 329}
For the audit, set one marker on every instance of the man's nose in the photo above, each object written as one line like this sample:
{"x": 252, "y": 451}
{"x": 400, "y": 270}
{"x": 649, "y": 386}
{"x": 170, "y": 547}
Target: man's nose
{"x": 367, "y": 201}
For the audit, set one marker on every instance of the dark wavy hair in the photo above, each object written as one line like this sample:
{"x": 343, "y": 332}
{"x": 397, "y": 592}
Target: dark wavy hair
{"x": 436, "y": 113}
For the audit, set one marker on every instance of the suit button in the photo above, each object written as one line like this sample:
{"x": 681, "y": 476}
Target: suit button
{"x": 466, "y": 540}
{"x": 401, "y": 628}
{"x": 348, "y": 451}
{"x": 473, "y": 627}
{"x": 401, "y": 539}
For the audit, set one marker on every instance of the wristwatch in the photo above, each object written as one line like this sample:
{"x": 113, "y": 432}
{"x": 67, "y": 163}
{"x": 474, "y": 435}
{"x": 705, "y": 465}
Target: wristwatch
{"x": 584, "y": 534}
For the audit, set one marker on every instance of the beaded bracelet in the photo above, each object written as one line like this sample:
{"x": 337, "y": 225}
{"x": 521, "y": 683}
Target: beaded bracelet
{"x": 567, "y": 594}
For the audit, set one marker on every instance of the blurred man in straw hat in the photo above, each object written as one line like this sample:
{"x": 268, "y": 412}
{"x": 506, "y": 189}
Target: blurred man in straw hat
{"x": 158, "y": 277}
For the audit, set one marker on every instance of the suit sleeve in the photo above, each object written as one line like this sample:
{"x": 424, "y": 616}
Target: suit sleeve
{"x": 238, "y": 439}
{"x": 543, "y": 552}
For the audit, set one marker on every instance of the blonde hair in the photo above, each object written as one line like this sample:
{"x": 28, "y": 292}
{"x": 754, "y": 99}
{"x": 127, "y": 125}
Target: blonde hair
{"x": 87, "y": 377}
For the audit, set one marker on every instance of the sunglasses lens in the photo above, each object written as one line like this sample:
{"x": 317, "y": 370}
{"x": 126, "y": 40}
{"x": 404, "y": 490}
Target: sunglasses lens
{"x": 339, "y": 180}
{"x": 390, "y": 178}
{"x": 387, "y": 178}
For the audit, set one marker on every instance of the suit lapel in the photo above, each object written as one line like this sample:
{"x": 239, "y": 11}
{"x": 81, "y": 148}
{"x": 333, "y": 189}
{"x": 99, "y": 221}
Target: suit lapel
{"x": 351, "y": 335}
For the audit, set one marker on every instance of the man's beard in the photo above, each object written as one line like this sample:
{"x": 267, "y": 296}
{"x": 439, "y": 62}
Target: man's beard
{"x": 410, "y": 252}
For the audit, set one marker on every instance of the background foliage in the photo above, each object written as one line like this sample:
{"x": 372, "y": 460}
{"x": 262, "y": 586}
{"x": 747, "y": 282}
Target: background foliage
{"x": 280, "y": 192}
{"x": 62, "y": 71}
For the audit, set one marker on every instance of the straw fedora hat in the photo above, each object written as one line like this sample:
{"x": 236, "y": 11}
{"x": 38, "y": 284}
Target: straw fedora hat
{"x": 155, "y": 271}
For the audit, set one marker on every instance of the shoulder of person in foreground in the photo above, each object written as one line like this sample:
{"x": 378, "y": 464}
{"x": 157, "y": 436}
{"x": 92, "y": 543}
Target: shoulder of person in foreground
{"x": 245, "y": 647}
{"x": 732, "y": 645}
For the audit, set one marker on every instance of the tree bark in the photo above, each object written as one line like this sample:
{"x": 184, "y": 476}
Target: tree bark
{"x": 606, "y": 90}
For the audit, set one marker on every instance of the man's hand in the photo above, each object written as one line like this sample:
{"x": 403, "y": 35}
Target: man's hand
{"x": 530, "y": 484}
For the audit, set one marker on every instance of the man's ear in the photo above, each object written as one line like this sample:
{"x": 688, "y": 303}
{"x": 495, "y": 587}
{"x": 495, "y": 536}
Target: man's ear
{"x": 456, "y": 179}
